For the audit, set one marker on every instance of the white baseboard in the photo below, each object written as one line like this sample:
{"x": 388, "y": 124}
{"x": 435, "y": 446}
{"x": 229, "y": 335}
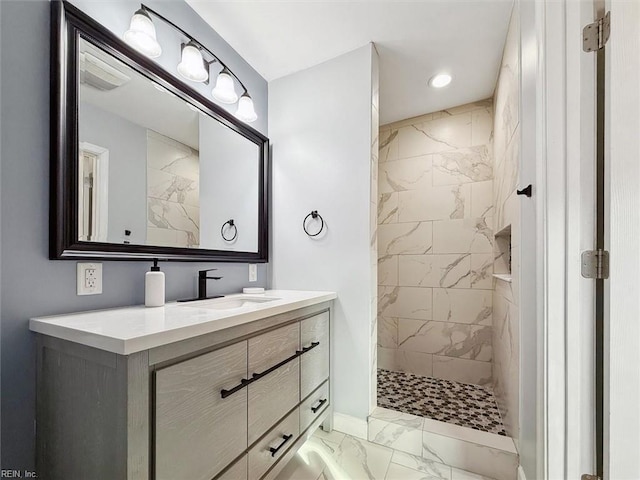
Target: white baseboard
{"x": 356, "y": 427}
{"x": 521, "y": 475}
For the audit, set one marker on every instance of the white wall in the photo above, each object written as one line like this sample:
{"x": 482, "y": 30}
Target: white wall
{"x": 320, "y": 128}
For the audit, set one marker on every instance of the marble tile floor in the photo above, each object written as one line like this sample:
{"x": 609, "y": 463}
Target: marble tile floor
{"x": 463, "y": 404}
{"x": 337, "y": 456}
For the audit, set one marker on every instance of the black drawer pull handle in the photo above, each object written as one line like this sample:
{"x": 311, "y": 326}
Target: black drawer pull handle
{"x": 322, "y": 402}
{"x": 310, "y": 347}
{"x": 257, "y": 376}
{"x": 275, "y": 450}
{"x": 224, "y": 393}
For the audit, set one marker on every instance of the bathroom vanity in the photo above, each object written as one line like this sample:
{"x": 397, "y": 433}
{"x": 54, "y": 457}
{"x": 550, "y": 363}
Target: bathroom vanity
{"x": 226, "y": 388}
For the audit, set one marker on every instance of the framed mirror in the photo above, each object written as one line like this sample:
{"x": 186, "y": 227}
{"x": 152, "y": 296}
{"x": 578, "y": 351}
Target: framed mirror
{"x": 142, "y": 165}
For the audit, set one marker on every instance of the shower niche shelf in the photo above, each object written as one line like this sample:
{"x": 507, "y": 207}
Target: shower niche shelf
{"x": 502, "y": 263}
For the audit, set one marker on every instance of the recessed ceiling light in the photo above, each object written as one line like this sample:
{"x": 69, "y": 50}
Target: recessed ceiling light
{"x": 440, "y": 80}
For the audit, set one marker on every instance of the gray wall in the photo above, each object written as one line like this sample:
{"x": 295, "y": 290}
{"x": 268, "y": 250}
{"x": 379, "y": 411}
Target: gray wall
{"x": 127, "y": 144}
{"x": 31, "y": 284}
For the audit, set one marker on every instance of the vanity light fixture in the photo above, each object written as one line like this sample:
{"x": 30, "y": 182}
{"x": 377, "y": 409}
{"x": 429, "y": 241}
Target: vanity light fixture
{"x": 193, "y": 66}
{"x": 142, "y": 34}
{"x": 224, "y": 90}
{"x": 440, "y": 80}
{"x": 245, "y": 111}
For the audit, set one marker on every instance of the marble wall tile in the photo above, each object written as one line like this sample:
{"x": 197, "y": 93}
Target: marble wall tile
{"x": 506, "y": 362}
{"x": 436, "y": 173}
{"x": 471, "y": 235}
{"x": 482, "y": 126}
{"x": 462, "y": 370}
{"x": 388, "y": 208}
{"x": 467, "y": 107}
{"x": 487, "y": 461}
{"x": 388, "y": 270}
{"x": 175, "y": 216}
{"x": 405, "y": 174}
{"x": 437, "y": 135}
{"x": 414, "y": 362}
{"x": 481, "y": 271}
{"x": 463, "y": 306}
{"x": 432, "y": 469}
{"x": 405, "y": 238}
{"x": 399, "y": 437}
{"x": 435, "y": 203}
{"x": 388, "y": 145}
{"x": 387, "y": 358}
{"x": 448, "y": 339}
{"x": 482, "y": 199}
{"x": 444, "y": 271}
{"x": 174, "y": 188}
{"x": 458, "y": 474}
{"x": 464, "y": 165}
{"x": 506, "y": 321}
{"x": 387, "y": 332}
{"x": 427, "y": 117}
{"x": 405, "y": 302}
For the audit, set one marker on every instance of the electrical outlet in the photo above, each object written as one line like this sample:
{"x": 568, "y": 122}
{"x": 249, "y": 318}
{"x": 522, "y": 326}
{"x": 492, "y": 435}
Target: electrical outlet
{"x": 89, "y": 278}
{"x": 253, "y": 272}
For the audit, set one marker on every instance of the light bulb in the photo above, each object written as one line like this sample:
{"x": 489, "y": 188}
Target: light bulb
{"x": 192, "y": 65}
{"x": 440, "y": 80}
{"x": 142, "y": 35}
{"x": 224, "y": 90}
{"x": 245, "y": 111}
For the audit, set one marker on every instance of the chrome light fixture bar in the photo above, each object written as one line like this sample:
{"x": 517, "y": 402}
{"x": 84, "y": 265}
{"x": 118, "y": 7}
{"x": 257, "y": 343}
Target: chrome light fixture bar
{"x": 142, "y": 36}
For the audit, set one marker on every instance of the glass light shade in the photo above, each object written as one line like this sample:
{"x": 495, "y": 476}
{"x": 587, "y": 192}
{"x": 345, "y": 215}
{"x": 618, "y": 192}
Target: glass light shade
{"x": 192, "y": 65}
{"x": 224, "y": 90}
{"x": 245, "y": 111}
{"x": 142, "y": 35}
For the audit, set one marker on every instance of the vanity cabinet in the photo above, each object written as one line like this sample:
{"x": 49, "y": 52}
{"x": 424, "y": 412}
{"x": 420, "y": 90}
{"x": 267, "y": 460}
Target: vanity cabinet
{"x": 197, "y": 432}
{"x": 230, "y": 405}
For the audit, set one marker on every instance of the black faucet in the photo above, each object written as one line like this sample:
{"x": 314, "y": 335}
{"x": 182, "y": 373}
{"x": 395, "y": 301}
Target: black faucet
{"x": 202, "y": 286}
{"x": 202, "y": 283}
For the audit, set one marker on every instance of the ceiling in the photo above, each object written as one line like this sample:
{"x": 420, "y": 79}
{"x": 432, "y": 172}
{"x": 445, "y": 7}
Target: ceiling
{"x": 415, "y": 40}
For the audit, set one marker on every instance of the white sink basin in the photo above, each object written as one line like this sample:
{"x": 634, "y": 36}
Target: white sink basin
{"x": 232, "y": 303}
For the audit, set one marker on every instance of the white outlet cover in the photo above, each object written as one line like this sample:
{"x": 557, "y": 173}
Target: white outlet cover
{"x": 253, "y": 272}
{"x": 82, "y": 287}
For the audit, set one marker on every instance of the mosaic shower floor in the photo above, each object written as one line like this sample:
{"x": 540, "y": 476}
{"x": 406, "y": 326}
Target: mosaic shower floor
{"x": 462, "y": 404}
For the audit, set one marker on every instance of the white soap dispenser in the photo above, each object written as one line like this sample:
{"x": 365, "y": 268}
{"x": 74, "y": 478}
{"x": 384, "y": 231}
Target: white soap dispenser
{"x": 154, "y": 286}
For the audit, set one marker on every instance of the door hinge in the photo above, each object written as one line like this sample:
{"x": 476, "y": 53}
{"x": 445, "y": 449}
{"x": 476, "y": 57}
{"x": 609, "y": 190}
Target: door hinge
{"x": 586, "y": 476}
{"x": 596, "y": 34}
{"x": 595, "y": 264}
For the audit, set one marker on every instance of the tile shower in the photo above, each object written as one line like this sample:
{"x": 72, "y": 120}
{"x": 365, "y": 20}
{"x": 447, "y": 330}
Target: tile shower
{"x": 448, "y": 219}
{"x": 435, "y": 244}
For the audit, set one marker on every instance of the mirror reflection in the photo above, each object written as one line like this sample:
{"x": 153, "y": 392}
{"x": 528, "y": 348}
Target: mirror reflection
{"x": 155, "y": 170}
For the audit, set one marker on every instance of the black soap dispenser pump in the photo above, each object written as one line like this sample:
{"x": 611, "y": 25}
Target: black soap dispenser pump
{"x": 154, "y": 286}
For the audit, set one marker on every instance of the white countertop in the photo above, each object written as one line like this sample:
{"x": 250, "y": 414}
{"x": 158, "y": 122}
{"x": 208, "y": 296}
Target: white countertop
{"x": 133, "y": 329}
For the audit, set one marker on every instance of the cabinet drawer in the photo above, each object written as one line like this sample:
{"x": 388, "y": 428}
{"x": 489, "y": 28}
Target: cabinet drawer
{"x": 262, "y": 456}
{"x": 313, "y": 406}
{"x": 237, "y": 472}
{"x": 314, "y": 365}
{"x": 277, "y": 392}
{"x": 197, "y": 432}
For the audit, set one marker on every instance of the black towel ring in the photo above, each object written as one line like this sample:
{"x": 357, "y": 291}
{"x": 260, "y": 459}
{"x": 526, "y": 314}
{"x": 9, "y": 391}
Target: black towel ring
{"x": 314, "y": 214}
{"x": 231, "y": 223}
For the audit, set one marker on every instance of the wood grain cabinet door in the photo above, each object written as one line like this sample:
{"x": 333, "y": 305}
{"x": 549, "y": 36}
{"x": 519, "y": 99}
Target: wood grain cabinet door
{"x": 314, "y": 365}
{"x": 276, "y": 393}
{"x": 197, "y": 432}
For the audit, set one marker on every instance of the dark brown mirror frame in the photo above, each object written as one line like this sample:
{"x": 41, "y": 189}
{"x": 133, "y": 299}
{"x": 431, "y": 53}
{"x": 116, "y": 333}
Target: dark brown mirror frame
{"x": 67, "y": 26}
